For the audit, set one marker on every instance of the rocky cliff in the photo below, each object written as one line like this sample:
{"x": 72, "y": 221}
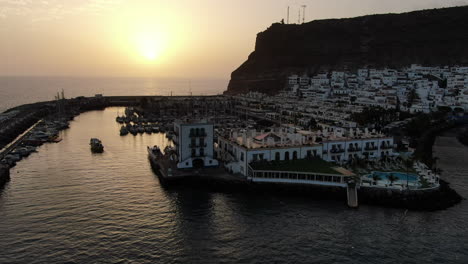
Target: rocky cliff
{"x": 429, "y": 37}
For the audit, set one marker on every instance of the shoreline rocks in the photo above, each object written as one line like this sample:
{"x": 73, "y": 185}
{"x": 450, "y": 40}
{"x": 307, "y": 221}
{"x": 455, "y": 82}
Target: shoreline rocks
{"x": 4, "y": 174}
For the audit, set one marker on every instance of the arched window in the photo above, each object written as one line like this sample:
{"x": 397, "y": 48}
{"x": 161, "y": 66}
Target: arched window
{"x": 286, "y": 155}
{"x": 277, "y": 156}
{"x": 295, "y": 155}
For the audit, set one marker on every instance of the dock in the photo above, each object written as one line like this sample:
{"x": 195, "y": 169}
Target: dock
{"x": 4, "y": 174}
{"x": 168, "y": 172}
{"x": 351, "y": 192}
{"x": 12, "y": 145}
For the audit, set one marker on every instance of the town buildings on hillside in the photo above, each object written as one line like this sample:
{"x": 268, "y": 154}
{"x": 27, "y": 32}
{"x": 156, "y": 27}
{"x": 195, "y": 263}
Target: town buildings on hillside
{"x": 415, "y": 89}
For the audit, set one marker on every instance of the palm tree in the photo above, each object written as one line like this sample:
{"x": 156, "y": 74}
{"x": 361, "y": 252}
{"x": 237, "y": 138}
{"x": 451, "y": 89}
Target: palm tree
{"x": 376, "y": 178}
{"x": 434, "y": 160}
{"x": 438, "y": 172}
{"x": 392, "y": 178}
{"x": 408, "y": 164}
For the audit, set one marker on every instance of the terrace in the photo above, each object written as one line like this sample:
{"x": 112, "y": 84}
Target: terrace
{"x": 394, "y": 173}
{"x": 314, "y": 165}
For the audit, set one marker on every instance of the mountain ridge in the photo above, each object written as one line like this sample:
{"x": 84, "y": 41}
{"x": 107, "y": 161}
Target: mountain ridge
{"x": 431, "y": 37}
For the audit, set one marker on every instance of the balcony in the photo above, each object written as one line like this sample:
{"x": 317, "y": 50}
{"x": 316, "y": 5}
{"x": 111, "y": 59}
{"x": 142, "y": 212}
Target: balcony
{"x": 354, "y": 149}
{"x": 370, "y": 148}
{"x": 198, "y": 155}
{"x": 386, "y": 147}
{"x": 200, "y": 134}
{"x": 337, "y": 150}
{"x": 197, "y": 145}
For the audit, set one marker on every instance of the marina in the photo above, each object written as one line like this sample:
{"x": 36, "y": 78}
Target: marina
{"x": 228, "y": 147}
{"x": 137, "y": 132}
{"x": 134, "y": 201}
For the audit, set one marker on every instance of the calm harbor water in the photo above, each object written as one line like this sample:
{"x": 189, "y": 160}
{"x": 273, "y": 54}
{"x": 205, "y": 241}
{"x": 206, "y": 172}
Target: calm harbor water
{"x": 16, "y": 91}
{"x": 66, "y": 205}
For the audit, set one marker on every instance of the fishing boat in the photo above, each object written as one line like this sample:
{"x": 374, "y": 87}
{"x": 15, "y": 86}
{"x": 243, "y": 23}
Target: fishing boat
{"x": 133, "y": 130}
{"x": 169, "y": 135}
{"x": 123, "y": 131}
{"x": 120, "y": 119}
{"x": 148, "y": 129}
{"x": 154, "y": 154}
{"x": 96, "y": 145}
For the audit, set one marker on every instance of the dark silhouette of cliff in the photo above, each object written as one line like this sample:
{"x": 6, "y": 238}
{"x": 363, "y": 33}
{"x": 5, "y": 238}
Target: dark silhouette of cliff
{"x": 429, "y": 37}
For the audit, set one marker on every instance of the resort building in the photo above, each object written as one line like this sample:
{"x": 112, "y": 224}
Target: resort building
{"x": 240, "y": 148}
{"x": 194, "y": 144}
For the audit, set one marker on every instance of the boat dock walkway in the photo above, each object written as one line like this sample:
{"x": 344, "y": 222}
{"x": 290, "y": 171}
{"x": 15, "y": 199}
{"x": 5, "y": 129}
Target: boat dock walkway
{"x": 351, "y": 191}
{"x": 169, "y": 172}
{"x": 12, "y": 145}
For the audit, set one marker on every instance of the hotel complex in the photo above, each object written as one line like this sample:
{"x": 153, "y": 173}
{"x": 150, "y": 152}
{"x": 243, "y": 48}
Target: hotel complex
{"x": 239, "y": 148}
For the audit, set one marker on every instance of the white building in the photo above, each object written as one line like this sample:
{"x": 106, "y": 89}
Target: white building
{"x": 194, "y": 145}
{"x": 239, "y": 148}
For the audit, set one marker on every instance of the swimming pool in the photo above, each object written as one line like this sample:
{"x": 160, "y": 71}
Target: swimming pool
{"x": 402, "y": 176}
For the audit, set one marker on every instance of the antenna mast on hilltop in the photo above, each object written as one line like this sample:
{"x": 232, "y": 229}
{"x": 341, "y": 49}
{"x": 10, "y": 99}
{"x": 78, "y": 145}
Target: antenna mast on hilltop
{"x": 303, "y": 13}
{"x": 190, "y": 87}
{"x": 299, "y": 16}
{"x": 287, "y": 17}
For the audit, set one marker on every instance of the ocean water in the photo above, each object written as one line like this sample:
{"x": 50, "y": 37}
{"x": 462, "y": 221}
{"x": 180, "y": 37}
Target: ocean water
{"x": 16, "y": 91}
{"x": 67, "y": 205}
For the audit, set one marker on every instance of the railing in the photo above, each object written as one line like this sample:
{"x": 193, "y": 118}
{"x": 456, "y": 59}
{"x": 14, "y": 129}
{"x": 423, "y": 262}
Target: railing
{"x": 370, "y": 148}
{"x": 354, "y": 149}
{"x": 337, "y": 150}
{"x": 197, "y": 145}
{"x": 197, "y": 134}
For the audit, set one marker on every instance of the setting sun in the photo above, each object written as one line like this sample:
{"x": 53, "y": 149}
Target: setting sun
{"x": 150, "y": 45}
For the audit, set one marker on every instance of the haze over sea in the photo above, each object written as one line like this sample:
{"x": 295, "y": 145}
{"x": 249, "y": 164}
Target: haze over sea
{"x": 16, "y": 91}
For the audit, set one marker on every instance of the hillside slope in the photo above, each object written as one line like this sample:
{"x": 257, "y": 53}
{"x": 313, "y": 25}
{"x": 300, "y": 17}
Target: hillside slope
{"x": 429, "y": 37}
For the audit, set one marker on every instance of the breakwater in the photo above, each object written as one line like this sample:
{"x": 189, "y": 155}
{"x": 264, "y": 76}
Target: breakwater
{"x": 4, "y": 174}
{"x": 20, "y": 118}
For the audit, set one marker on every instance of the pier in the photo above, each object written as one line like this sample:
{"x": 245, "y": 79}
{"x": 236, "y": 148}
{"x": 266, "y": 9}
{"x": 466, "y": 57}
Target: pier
{"x": 8, "y": 148}
{"x": 351, "y": 192}
{"x": 4, "y": 174}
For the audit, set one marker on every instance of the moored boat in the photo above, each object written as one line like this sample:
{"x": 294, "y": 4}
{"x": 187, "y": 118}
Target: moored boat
{"x": 120, "y": 119}
{"x": 169, "y": 135}
{"x": 123, "y": 131}
{"x": 154, "y": 153}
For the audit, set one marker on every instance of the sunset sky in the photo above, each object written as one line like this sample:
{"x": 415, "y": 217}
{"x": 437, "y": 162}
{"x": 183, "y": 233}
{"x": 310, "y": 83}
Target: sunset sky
{"x": 178, "y": 38}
